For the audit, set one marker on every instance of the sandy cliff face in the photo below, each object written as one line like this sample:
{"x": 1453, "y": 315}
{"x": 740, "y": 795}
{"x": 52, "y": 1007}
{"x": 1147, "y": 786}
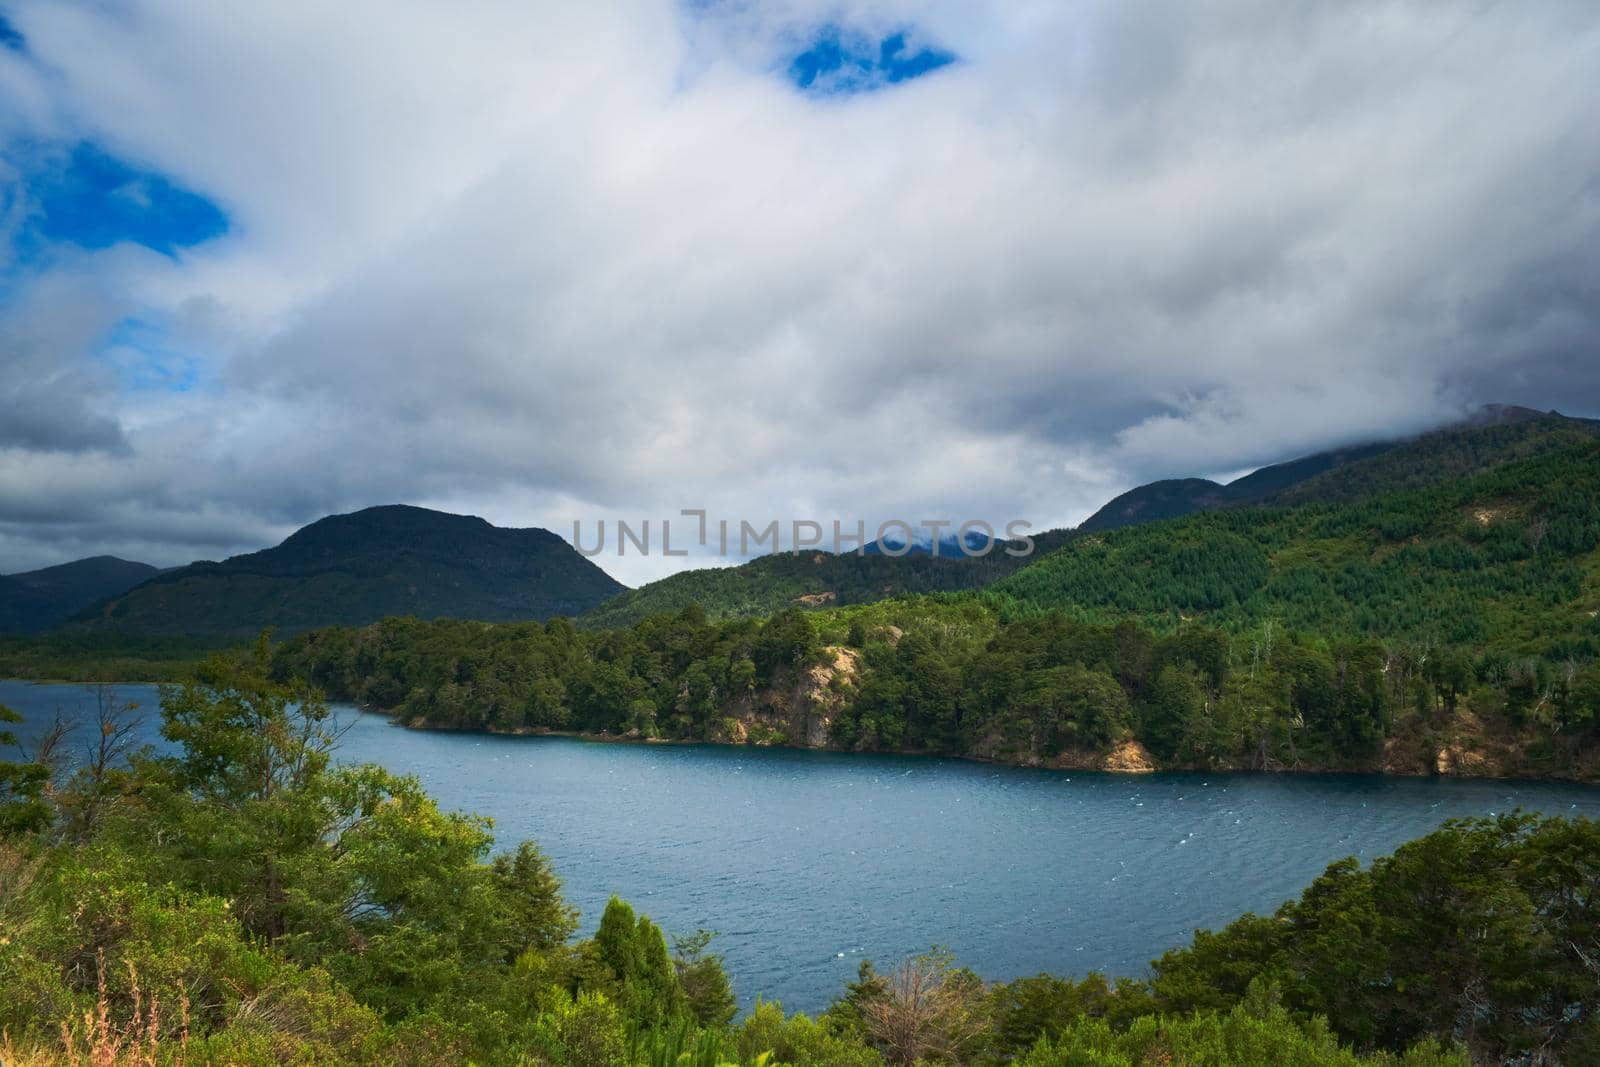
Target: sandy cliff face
{"x": 1129, "y": 757}
{"x": 798, "y": 711}
{"x": 1125, "y": 757}
{"x": 1466, "y": 746}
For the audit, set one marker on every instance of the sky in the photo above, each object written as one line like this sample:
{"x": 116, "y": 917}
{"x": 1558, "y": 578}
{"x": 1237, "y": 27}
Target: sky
{"x": 915, "y": 259}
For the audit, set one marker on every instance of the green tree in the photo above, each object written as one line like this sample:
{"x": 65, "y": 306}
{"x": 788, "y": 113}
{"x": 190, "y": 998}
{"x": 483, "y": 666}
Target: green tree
{"x": 705, "y": 984}
{"x": 634, "y": 951}
{"x": 535, "y": 915}
{"x": 23, "y": 807}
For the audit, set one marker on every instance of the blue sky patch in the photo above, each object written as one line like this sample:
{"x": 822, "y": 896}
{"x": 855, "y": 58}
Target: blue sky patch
{"x": 144, "y": 357}
{"x": 837, "y": 62}
{"x": 88, "y": 198}
{"x": 9, "y": 37}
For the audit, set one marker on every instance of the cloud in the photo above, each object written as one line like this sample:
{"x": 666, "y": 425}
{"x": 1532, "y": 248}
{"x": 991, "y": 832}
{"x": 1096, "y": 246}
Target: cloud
{"x": 50, "y": 402}
{"x": 544, "y": 263}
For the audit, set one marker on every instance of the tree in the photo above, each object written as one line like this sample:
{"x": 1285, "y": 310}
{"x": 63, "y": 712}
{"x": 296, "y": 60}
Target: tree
{"x": 102, "y": 776}
{"x": 253, "y": 759}
{"x": 244, "y": 736}
{"x": 535, "y": 915}
{"x": 23, "y": 807}
{"x": 706, "y": 988}
{"x": 634, "y": 951}
{"x": 924, "y": 1009}
{"x": 1176, "y": 704}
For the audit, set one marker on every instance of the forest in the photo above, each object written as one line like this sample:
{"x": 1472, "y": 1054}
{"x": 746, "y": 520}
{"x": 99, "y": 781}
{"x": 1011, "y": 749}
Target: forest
{"x": 1451, "y": 628}
{"x": 247, "y": 899}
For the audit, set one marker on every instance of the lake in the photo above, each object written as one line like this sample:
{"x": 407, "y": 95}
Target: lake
{"x": 807, "y": 862}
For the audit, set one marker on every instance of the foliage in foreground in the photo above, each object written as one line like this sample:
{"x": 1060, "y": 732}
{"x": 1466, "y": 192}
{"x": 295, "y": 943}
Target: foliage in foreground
{"x": 247, "y": 900}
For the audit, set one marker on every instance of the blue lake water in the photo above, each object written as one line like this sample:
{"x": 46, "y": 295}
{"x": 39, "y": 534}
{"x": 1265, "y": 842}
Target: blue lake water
{"x": 806, "y": 862}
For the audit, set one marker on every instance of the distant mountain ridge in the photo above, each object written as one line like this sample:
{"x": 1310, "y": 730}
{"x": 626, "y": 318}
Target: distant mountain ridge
{"x": 949, "y": 546}
{"x": 806, "y": 580}
{"x": 1508, "y": 555}
{"x": 1495, "y": 434}
{"x": 401, "y": 560}
{"x": 35, "y": 601}
{"x": 356, "y": 568}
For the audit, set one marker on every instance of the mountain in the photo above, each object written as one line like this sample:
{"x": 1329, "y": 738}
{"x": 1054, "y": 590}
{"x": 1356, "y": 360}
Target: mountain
{"x": 1505, "y": 558}
{"x": 352, "y": 569}
{"x": 806, "y": 580}
{"x": 34, "y": 601}
{"x": 1169, "y": 498}
{"x": 949, "y": 545}
{"x": 1494, "y": 435}
{"x": 1448, "y": 629}
{"x": 813, "y": 580}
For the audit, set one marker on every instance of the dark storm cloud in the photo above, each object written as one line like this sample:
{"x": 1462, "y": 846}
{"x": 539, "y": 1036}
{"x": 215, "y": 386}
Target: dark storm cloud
{"x": 542, "y": 267}
{"x": 51, "y": 398}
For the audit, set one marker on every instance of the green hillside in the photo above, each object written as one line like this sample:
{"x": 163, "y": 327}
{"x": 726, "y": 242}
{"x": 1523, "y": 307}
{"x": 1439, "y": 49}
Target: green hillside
{"x": 1173, "y": 498}
{"x": 34, "y": 601}
{"x": 1504, "y": 559}
{"x": 1505, "y": 436}
{"x": 353, "y": 569}
{"x": 809, "y": 581}
{"x": 1449, "y": 630}
{"x": 1497, "y": 434}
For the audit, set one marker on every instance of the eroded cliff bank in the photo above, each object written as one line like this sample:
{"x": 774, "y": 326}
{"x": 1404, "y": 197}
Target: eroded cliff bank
{"x": 801, "y": 710}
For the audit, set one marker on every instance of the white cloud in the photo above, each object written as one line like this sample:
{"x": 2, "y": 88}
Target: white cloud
{"x": 541, "y": 262}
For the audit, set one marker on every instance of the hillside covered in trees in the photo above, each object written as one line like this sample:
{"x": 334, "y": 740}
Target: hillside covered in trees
{"x": 1450, "y": 629}
{"x": 1494, "y": 435}
{"x": 357, "y": 568}
{"x": 247, "y": 899}
{"x": 33, "y": 601}
{"x": 815, "y": 580}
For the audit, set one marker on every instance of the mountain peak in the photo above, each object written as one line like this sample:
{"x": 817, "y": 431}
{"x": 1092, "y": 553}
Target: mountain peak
{"x": 1494, "y": 433}
{"x": 355, "y": 568}
{"x": 37, "y": 600}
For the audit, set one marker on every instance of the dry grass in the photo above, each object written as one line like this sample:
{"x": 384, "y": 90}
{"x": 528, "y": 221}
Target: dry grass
{"x": 95, "y": 1040}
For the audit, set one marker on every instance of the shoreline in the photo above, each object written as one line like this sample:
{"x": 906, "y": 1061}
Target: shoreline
{"x": 1061, "y": 768}
{"x": 1080, "y": 763}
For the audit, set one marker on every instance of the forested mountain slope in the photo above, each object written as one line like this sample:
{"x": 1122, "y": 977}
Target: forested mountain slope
{"x": 813, "y": 580}
{"x": 1173, "y": 498}
{"x": 1505, "y": 558}
{"x": 1502, "y": 435}
{"x": 356, "y": 568}
{"x": 1448, "y": 630}
{"x": 33, "y": 601}
{"x": 1495, "y": 435}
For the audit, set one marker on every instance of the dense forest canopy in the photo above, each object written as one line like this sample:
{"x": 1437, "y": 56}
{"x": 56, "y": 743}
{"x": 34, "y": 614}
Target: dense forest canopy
{"x": 1451, "y": 623}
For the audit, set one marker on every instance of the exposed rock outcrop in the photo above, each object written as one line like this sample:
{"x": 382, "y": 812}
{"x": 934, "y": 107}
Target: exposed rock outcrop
{"x": 1129, "y": 757}
{"x": 800, "y": 709}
